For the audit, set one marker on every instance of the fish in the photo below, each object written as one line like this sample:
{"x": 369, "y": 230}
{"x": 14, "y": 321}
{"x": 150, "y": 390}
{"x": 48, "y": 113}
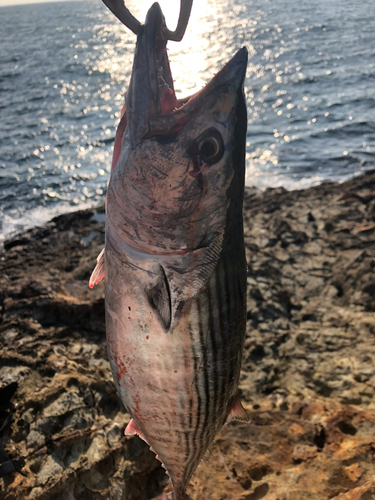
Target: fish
{"x": 174, "y": 260}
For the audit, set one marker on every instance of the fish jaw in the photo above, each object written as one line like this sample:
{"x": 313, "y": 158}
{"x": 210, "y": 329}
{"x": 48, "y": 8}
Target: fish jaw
{"x": 151, "y": 89}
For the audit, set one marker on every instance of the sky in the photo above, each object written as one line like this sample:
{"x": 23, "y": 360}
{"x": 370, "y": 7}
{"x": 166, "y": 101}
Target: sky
{"x": 17, "y": 2}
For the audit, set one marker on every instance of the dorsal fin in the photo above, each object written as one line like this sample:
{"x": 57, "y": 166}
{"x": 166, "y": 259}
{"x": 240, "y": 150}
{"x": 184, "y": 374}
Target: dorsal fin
{"x": 237, "y": 412}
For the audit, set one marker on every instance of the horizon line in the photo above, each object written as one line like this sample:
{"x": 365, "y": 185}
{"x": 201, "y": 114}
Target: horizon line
{"x": 13, "y": 3}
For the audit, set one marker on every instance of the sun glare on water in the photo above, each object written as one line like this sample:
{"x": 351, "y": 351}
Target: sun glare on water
{"x": 207, "y": 45}
{"x": 189, "y": 63}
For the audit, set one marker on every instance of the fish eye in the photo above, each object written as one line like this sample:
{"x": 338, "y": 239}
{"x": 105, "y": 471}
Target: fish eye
{"x": 210, "y": 146}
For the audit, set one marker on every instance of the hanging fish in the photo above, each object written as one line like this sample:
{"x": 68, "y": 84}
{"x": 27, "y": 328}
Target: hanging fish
{"x": 174, "y": 259}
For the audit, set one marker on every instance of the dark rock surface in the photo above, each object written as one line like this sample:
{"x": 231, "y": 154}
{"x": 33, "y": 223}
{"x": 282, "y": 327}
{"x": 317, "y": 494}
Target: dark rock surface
{"x": 308, "y": 375}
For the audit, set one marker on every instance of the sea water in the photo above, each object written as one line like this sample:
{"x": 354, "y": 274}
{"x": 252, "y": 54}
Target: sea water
{"x": 64, "y": 68}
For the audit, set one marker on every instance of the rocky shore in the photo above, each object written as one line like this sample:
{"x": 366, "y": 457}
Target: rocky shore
{"x": 308, "y": 375}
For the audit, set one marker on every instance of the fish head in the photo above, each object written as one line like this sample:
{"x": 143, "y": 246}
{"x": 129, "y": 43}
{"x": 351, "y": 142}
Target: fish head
{"x": 181, "y": 164}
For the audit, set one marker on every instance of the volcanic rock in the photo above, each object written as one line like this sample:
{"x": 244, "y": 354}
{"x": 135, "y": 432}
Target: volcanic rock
{"x": 308, "y": 374}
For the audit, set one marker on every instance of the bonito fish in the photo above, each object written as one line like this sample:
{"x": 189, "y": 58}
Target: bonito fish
{"x": 174, "y": 258}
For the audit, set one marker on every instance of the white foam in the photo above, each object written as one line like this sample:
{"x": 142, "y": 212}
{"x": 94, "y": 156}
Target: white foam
{"x": 20, "y": 221}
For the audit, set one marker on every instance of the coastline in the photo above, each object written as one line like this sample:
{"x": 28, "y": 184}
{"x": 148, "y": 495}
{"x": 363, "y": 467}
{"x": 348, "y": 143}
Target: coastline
{"x": 308, "y": 375}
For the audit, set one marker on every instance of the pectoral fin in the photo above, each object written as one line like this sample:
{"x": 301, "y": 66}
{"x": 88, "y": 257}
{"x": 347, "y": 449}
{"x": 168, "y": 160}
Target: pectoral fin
{"x": 153, "y": 281}
{"x": 159, "y": 296}
{"x": 189, "y": 274}
{"x": 98, "y": 273}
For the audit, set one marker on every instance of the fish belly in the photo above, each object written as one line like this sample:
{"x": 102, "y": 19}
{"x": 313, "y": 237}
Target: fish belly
{"x": 176, "y": 384}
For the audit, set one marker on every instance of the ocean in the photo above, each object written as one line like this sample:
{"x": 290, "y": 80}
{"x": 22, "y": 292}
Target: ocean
{"x": 64, "y": 68}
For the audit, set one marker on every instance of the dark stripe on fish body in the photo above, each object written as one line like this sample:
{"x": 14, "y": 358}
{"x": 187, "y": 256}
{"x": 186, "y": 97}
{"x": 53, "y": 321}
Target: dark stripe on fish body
{"x": 191, "y": 463}
{"x": 212, "y": 332}
{"x": 231, "y": 300}
{"x": 208, "y": 430}
{"x": 203, "y": 339}
{"x": 241, "y": 314}
{"x": 228, "y": 310}
{"x": 222, "y": 338}
{"x": 236, "y": 309}
{"x": 187, "y": 450}
{"x": 183, "y": 426}
{"x": 188, "y": 434}
{"x": 221, "y": 313}
{"x": 191, "y": 447}
{"x": 183, "y": 409}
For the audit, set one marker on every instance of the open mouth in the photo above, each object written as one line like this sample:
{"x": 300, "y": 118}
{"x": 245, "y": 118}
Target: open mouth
{"x": 151, "y": 104}
{"x": 173, "y": 113}
{"x": 170, "y": 113}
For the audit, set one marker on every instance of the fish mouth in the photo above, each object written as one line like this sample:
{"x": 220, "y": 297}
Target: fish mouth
{"x": 160, "y": 76}
{"x": 151, "y": 103}
{"x": 151, "y": 91}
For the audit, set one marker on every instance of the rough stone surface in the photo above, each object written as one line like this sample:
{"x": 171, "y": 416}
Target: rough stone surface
{"x": 308, "y": 377}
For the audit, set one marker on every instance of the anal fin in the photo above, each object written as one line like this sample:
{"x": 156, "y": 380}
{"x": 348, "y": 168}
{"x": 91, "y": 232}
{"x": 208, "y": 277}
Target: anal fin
{"x": 237, "y": 412}
{"x": 99, "y": 271}
{"x": 132, "y": 429}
